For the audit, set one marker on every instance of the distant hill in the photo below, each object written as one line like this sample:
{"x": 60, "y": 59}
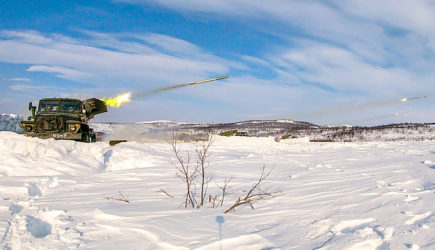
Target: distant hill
{"x": 10, "y": 122}
{"x": 280, "y": 129}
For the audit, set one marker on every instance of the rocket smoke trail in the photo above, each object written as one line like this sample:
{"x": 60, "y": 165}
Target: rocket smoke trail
{"x": 379, "y": 117}
{"x": 118, "y": 100}
{"x": 163, "y": 89}
{"x": 357, "y": 107}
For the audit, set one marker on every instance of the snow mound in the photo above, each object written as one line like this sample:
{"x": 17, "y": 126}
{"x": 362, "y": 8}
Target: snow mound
{"x": 10, "y": 122}
{"x": 27, "y": 156}
{"x": 37, "y": 227}
{"x": 23, "y": 155}
{"x": 71, "y": 195}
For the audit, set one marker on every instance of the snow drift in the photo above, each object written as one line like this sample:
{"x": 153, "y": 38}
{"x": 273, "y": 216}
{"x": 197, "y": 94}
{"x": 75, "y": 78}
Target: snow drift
{"x": 376, "y": 195}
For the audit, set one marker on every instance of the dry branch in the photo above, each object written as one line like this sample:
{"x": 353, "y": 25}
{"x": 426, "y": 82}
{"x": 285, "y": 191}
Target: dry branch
{"x": 122, "y": 198}
{"x": 184, "y": 172}
{"x": 255, "y": 193}
{"x": 202, "y": 154}
{"x": 164, "y": 191}
{"x": 224, "y": 188}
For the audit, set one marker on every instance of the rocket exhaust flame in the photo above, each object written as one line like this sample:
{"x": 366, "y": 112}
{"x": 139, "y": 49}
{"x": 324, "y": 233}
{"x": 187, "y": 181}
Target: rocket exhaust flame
{"x": 117, "y": 101}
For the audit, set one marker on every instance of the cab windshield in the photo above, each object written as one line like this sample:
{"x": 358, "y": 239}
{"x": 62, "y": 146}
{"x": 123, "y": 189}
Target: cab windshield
{"x": 70, "y": 106}
{"x": 59, "y": 106}
{"x": 48, "y": 106}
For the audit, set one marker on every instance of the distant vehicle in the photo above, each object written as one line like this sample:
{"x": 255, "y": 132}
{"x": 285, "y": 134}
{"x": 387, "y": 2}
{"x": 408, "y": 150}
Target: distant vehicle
{"x": 242, "y": 134}
{"x": 63, "y": 118}
{"x": 233, "y": 133}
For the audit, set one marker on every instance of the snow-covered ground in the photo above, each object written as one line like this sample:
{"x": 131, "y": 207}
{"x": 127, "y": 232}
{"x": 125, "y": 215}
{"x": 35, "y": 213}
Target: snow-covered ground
{"x": 62, "y": 194}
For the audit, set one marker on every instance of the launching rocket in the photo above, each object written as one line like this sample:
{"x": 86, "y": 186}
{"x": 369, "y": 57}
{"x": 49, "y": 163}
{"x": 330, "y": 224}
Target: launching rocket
{"x": 163, "y": 89}
{"x": 126, "y": 97}
{"x": 155, "y": 91}
{"x": 412, "y": 98}
{"x": 400, "y": 113}
{"x": 206, "y": 80}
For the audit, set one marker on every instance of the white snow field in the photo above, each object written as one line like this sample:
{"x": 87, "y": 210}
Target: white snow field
{"x": 62, "y": 195}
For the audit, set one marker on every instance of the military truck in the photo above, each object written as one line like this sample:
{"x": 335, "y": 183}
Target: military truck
{"x": 63, "y": 118}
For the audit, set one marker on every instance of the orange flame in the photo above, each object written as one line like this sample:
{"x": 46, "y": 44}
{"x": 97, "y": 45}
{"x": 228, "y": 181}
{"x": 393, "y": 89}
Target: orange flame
{"x": 117, "y": 101}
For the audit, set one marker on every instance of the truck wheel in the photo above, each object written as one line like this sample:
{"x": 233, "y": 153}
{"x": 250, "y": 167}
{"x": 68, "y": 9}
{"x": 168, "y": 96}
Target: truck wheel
{"x": 93, "y": 137}
{"x": 86, "y": 138}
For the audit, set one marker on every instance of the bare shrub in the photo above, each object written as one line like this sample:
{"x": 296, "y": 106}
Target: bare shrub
{"x": 255, "y": 193}
{"x": 202, "y": 155}
{"x": 185, "y": 172}
{"x": 196, "y": 177}
{"x": 224, "y": 188}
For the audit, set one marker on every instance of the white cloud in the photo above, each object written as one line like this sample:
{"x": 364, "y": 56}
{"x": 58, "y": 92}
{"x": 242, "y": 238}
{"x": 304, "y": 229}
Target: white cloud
{"x": 356, "y": 19}
{"x": 184, "y": 49}
{"x": 103, "y": 62}
{"x": 383, "y": 32}
{"x": 6, "y": 100}
{"x": 26, "y": 87}
{"x": 344, "y": 70}
{"x": 314, "y": 18}
{"x": 376, "y": 47}
{"x": 61, "y": 72}
{"x": 29, "y": 36}
{"x": 255, "y": 60}
{"x": 20, "y": 79}
{"x": 171, "y": 44}
{"x": 409, "y": 15}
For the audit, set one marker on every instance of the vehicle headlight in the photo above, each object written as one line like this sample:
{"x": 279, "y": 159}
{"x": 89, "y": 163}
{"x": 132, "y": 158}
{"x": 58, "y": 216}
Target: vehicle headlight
{"x": 27, "y": 127}
{"x": 74, "y": 127}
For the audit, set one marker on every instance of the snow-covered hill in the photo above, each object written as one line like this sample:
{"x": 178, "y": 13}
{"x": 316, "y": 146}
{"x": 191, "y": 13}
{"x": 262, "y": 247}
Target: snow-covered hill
{"x": 280, "y": 129}
{"x": 63, "y": 195}
{"x": 10, "y": 122}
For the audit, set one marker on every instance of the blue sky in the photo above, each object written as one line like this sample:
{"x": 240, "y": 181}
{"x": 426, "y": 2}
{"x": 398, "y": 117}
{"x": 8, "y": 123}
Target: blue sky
{"x": 326, "y": 62}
